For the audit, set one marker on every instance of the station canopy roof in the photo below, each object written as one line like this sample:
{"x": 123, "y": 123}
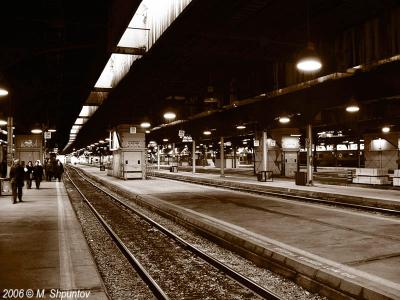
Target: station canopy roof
{"x": 219, "y": 63}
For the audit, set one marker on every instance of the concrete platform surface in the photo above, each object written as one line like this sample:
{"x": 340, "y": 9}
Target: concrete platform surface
{"x": 42, "y": 245}
{"x": 355, "y": 253}
{"x": 387, "y": 199}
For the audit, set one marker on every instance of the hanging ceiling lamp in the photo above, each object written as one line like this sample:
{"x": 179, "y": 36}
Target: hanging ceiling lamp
{"x": 145, "y": 125}
{"x": 169, "y": 116}
{"x": 309, "y": 61}
{"x": 352, "y": 106}
{"x": 284, "y": 119}
{"x": 385, "y": 129}
{"x": 3, "y": 92}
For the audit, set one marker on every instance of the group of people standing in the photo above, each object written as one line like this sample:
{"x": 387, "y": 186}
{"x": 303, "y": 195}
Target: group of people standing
{"x": 30, "y": 172}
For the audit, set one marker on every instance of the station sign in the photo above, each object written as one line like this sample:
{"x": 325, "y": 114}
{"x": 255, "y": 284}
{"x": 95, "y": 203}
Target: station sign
{"x": 187, "y": 139}
{"x": 47, "y": 135}
{"x": 181, "y": 133}
{"x": 256, "y": 143}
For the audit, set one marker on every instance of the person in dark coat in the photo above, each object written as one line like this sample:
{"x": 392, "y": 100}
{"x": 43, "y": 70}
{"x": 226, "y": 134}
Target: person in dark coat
{"x": 28, "y": 174}
{"x": 37, "y": 173}
{"x": 49, "y": 170}
{"x": 59, "y": 170}
{"x": 17, "y": 175}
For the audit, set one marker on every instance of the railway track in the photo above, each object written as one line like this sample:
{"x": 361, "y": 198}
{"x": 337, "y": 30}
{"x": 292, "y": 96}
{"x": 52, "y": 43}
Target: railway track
{"x": 170, "y": 266}
{"x": 261, "y": 191}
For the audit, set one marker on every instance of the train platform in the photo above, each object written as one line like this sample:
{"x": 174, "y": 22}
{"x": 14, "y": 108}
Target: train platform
{"x": 357, "y": 195}
{"x": 43, "y": 250}
{"x": 340, "y": 253}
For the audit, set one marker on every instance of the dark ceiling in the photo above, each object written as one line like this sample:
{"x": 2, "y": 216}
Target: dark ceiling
{"x": 53, "y": 51}
{"x": 51, "y": 54}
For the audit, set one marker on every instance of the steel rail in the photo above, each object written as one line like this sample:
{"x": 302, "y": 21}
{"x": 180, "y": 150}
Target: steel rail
{"x": 244, "y": 281}
{"x": 154, "y": 287}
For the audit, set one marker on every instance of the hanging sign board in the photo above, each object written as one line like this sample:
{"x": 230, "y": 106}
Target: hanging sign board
{"x": 181, "y": 133}
{"x": 256, "y": 143}
{"x": 132, "y": 129}
{"x": 47, "y": 135}
{"x": 187, "y": 139}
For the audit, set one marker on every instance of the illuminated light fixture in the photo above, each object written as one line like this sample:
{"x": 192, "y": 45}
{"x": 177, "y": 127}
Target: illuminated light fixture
{"x": 169, "y": 116}
{"x": 146, "y": 124}
{"x": 36, "y": 131}
{"x": 3, "y": 122}
{"x": 241, "y": 127}
{"x": 353, "y": 106}
{"x": 385, "y": 129}
{"x": 52, "y": 130}
{"x": 295, "y": 135}
{"x": 284, "y": 120}
{"x": 310, "y": 61}
{"x": 101, "y": 141}
{"x": 147, "y": 131}
{"x": 3, "y": 92}
{"x": 206, "y": 132}
{"x": 165, "y": 140}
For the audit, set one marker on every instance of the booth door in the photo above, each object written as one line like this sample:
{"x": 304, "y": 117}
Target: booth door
{"x": 133, "y": 165}
{"x": 290, "y": 163}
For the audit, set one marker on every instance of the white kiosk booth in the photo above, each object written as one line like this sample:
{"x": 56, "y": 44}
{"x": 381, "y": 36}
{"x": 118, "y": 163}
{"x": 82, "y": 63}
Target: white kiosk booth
{"x": 128, "y": 145}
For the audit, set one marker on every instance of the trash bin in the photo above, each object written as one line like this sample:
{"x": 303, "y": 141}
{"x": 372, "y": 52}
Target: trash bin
{"x": 300, "y": 178}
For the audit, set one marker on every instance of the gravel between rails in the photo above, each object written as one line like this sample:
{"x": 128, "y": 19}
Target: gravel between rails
{"x": 181, "y": 274}
{"x": 120, "y": 281}
{"x": 278, "y": 284}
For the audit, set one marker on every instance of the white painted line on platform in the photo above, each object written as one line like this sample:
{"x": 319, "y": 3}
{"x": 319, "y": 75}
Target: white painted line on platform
{"x": 67, "y": 280}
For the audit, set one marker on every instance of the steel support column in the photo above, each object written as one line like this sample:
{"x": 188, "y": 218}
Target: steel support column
{"x": 309, "y": 144}
{"x": 194, "y": 156}
{"x": 10, "y": 155}
{"x": 158, "y": 157}
{"x": 264, "y": 164}
{"x": 222, "y": 158}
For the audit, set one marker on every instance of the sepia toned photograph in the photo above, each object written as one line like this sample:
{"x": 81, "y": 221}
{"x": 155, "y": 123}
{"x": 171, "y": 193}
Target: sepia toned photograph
{"x": 200, "y": 149}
